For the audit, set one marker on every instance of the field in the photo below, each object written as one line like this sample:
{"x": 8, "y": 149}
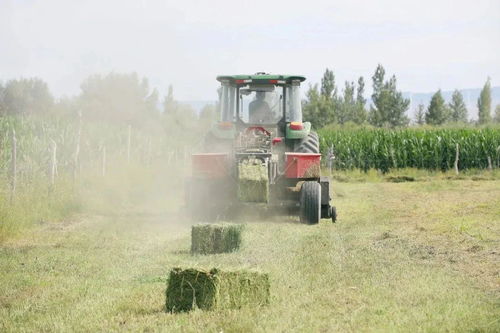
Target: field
{"x": 410, "y": 256}
{"x": 424, "y": 148}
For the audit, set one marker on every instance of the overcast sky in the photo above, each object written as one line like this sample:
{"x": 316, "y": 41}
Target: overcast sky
{"x": 427, "y": 44}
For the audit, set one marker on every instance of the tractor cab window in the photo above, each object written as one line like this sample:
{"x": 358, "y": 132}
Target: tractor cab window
{"x": 261, "y": 104}
{"x": 293, "y": 103}
{"x": 228, "y": 102}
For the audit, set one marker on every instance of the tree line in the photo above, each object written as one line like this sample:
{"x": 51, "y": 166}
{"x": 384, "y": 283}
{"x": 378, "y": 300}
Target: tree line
{"x": 325, "y": 104}
{"x": 114, "y": 97}
{"x": 127, "y": 98}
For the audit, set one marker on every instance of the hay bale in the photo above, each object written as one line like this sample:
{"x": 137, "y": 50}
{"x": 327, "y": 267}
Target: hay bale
{"x": 253, "y": 181}
{"x": 215, "y": 238}
{"x": 215, "y": 289}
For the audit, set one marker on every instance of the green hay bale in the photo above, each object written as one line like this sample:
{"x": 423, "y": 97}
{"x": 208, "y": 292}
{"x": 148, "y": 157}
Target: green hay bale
{"x": 215, "y": 289}
{"x": 215, "y": 238}
{"x": 253, "y": 181}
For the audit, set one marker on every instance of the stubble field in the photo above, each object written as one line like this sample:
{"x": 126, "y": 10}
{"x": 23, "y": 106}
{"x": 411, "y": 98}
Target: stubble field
{"x": 411, "y": 256}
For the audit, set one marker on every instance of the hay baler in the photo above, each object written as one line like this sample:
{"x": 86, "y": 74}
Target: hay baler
{"x": 260, "y": 156}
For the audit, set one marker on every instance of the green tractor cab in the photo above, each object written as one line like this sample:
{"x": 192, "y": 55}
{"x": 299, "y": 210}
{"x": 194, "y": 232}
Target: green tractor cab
{"x": 260, "y": 155}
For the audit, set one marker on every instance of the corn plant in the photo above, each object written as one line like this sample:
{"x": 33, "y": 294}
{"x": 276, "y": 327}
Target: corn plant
{"x": 433, "y": 149}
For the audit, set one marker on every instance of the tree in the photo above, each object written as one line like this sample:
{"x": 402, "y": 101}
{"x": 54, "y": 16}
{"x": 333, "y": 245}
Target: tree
{"x": 420, "y": 115}
{"x": 152, "y": 101}
{"x": 389, "y": 107}
{"x": 376, "y": 116}
{"x": 66, "y": 107}
{"x": 497, "y": 114}
{"x": 484, "y": 103}
{"x": 347, "y": 105}
{"x": 378, "y": 80}
{"x": 351, "y": 106}
{"x": 437, "y": 112}
{"x": 208, "y": 114}
{"x": 328, "y": 88}
{"x": 118, "y": 98}
{"x": 169, "y": 104}
{"x": 359, "y": 116}
{"x": 458, "y": 108}
{"x": 26, "y": 96}
{"x": 318, "y": 108}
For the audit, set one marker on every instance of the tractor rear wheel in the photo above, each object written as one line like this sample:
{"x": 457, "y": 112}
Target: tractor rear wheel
{"x": 310, "y": 202}
{"x": 309, "y": 144}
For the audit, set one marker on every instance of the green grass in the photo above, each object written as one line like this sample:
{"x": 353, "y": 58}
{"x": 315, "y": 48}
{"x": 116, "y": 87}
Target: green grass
{"x": 33, "y": 204}
{"x": 414, "y": 256}
{"x": 377, "y": 176}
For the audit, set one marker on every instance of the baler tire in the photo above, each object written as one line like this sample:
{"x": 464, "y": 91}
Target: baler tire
{"x": 334, "y": 214}
{"x": 310, "y": 202}
{"x": 310, "y": 144}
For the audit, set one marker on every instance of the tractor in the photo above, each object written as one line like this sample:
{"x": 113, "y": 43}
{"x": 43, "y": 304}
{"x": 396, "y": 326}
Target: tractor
{"x": 260, "y": 156}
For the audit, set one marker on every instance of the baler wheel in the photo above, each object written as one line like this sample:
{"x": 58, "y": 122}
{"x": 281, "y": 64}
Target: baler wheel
{"x": 310, "y": 202}
{"x": 334, "y": 214}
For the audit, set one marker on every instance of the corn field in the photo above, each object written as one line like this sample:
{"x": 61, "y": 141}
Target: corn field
{"x": 80, "y": 146}
{"x": 433, "y": 149}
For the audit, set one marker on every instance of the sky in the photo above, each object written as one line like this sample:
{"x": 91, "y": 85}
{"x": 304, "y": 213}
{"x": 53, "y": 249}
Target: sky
{"x": 428, "y": 45}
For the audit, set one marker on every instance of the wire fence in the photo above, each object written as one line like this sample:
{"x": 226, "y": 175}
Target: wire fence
{"x": 33, "y": 149}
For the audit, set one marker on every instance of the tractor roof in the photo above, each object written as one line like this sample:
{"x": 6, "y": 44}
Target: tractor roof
{"x": 260, "y": 78}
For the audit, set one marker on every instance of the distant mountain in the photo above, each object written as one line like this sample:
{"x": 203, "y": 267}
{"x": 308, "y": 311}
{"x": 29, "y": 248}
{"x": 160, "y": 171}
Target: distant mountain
{"x": 470, "y": 98}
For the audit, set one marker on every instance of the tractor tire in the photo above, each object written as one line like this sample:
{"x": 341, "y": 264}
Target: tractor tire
{"x": 310, "y": 202}
{"x": 310, "y": 144}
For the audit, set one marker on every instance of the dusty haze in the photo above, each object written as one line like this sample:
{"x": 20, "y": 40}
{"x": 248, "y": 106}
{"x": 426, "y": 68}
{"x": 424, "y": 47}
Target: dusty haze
{"x": 427, "y": 44}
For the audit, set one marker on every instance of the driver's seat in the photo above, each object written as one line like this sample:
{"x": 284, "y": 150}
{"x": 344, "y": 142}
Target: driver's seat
{"x": 259, "y": 112}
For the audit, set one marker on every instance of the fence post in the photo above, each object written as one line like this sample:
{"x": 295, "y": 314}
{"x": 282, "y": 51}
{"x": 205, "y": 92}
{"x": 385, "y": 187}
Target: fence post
{"x": 330, "y": 157}
{"x": 490, "y": 166}
{"x": 498, "y": 157}
{"x": 53, "y": 164}
{"x": 457, "y": 154}
{"x": 128, "y": 142}
{"x": 13, "y": 179}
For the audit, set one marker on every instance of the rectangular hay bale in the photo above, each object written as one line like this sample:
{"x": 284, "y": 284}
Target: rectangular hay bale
{"x": 215, "y": 289}
{"x": 253, "y": 181}
{"x": 215, "y": 238}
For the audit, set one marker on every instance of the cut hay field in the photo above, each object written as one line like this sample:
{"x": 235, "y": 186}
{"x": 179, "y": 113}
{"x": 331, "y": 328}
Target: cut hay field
{"x": 410, "y": 256}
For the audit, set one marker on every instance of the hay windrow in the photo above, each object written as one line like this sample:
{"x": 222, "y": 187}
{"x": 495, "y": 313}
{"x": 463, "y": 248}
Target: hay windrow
{"x": 253, "y": 181}
{"x": 215, "y": 238}
{"x": 215, "y": 289}
{"x": 400, "y": 179}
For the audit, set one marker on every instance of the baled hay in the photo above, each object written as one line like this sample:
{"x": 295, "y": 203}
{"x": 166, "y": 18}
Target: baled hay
{"x": 215, "y": 238}
{"x": 215, "y": 289}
